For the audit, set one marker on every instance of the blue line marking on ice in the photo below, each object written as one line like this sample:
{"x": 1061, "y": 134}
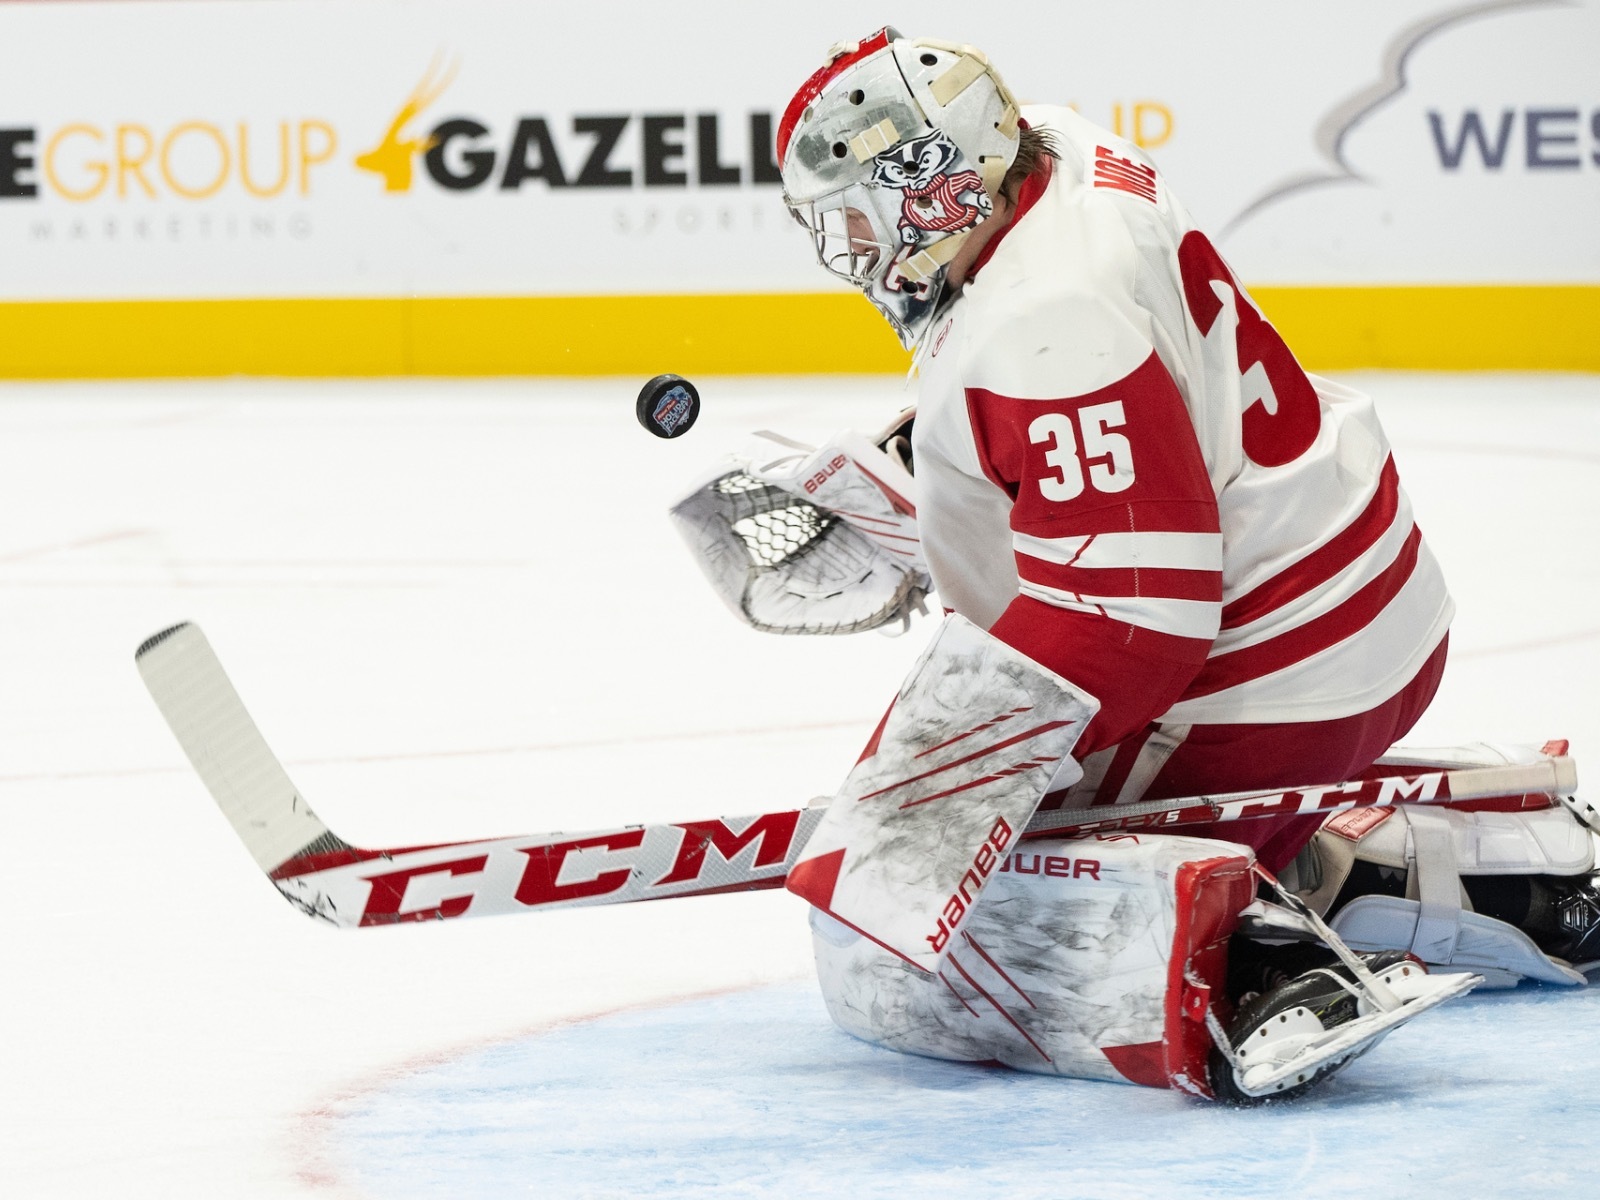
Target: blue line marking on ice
{"x": 757, "y": 1094}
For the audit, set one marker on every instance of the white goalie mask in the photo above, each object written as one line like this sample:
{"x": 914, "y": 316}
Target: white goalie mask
{"x": 891, "y": 155}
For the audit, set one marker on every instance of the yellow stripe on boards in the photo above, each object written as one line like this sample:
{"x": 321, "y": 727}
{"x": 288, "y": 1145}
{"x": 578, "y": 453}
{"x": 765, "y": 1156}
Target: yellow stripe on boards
{"x": 1330, "y": 328}
{"x": 646, "y": 335}
{"x": 1532, "y": 328}
{"x": 523, "y": 335}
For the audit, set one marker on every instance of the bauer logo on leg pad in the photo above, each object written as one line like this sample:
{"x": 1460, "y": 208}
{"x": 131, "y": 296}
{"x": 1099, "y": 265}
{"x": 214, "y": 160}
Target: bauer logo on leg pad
{"x": 955, "y": 908}
{"x": 1055, "y": 866}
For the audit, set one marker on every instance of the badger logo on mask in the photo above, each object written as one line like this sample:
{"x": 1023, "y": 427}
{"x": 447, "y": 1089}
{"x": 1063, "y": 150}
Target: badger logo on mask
{"x": 931, "y": 177}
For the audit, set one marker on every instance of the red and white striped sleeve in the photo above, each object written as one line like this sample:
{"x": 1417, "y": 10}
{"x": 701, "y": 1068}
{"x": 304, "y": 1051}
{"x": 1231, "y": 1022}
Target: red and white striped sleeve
{"x": 1116, "y": 535}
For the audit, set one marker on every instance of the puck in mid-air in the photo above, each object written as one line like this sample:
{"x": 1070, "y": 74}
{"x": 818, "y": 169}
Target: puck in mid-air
{"x": 668, "y": 405}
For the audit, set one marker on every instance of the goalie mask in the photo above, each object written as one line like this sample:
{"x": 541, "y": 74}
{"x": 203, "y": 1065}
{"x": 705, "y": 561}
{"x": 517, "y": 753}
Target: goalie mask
{"x": 891, "y": 155}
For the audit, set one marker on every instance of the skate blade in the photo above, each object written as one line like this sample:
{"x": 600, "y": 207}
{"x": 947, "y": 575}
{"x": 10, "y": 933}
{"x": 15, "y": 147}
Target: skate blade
{"x": 1312, "y": 1052}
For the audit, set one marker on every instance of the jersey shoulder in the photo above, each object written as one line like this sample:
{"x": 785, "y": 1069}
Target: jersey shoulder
{"x": 1098, "y": 166}
{"x": 1040, "y": 320}
{"x": 1051, "y": 343}
{"x": 1057, "y": 310}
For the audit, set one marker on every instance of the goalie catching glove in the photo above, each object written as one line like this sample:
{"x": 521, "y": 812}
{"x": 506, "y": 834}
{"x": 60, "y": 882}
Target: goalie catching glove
{"x": 802, "y": 540}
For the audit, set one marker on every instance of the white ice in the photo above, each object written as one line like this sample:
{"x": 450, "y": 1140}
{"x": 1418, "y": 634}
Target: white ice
{"x": 457, "y": 609}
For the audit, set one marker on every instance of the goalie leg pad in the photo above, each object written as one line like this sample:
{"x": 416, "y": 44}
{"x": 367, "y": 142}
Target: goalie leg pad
{"x": 1499, "y": 952}
{"x": 1436, "y": 848}
{"x": 950, "y": 780}
{"x": 1096, "y": 958}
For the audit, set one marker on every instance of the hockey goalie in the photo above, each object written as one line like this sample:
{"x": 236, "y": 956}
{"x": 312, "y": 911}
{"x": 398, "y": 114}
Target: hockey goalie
{"x": 1174, "y": 564}
{"x": 1137, "y": 812}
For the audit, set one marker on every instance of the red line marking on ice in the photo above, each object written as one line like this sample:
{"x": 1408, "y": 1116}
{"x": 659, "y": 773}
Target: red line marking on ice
{"x": 315, "y": 1124}
{"x": 98, "y": 539}
{"x": 1561, "y": 639}
{"x": 1497, "y": 451}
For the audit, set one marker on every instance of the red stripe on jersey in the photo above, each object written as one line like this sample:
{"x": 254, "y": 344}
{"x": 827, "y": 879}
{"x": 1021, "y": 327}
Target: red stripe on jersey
{"x": 1136, "y": 448}
{"x": 1300, "y": 643}
{"x": 1327, "y": 561}
{"x": 1135, "y": 672}
{"x": 1164, "y": 583}
{"x": 1146, "y": 516}
{"x": 1149, "y": 455}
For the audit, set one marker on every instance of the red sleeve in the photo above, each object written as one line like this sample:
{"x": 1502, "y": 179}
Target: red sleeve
{"x": 1117, "y": 540}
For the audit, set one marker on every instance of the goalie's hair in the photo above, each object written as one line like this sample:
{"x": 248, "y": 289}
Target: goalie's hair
{"x": 1033, "y": 147}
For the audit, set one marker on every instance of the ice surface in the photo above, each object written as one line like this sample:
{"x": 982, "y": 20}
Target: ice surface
{"x": 457, "y": 610}
{"x": 767, "y": 1099}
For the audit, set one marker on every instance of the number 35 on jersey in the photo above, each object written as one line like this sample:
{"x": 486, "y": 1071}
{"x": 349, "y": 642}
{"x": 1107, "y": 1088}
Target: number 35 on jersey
{"x": 1130, "y": 443}
{"x": 1084, "y": 451}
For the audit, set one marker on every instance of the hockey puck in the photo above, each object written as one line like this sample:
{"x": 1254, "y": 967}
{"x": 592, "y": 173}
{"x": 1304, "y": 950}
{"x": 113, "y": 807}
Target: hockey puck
{"x": 668, "y": 405}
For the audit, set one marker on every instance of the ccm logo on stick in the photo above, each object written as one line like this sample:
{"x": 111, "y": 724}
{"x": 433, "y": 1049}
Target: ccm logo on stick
{"x": 619, "y": 863}
{"x": 972, "y": 882}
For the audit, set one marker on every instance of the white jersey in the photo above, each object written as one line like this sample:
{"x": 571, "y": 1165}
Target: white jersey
{"x": 1117, "y": 453}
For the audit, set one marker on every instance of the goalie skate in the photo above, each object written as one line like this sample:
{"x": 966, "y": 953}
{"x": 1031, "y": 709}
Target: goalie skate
{"x": 1296, "y": 1035}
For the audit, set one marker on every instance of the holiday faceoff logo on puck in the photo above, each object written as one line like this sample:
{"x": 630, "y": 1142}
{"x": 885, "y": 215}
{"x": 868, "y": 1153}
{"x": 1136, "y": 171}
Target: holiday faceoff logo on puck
{"x": 673, "y": 409}
{"x": 668, "y": 405}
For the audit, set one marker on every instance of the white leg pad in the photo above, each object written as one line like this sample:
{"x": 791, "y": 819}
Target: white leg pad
{"x": 1501, "y": 953}
{"x": 1547, "y": 841}
{"x": 926, "y": 818}
{"x": 1436, "y": 846}
{"x": 1469, "y": 754}
{"x": 1093, "y": 957}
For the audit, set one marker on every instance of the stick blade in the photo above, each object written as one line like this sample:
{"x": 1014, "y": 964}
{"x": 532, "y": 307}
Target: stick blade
{"x": 228, "y": 752}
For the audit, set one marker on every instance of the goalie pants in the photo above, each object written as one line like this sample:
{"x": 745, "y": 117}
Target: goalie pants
{"x": 1166, "y": 761}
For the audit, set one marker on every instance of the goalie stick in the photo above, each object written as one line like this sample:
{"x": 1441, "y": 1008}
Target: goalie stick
{"x": 328, "y": 878}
